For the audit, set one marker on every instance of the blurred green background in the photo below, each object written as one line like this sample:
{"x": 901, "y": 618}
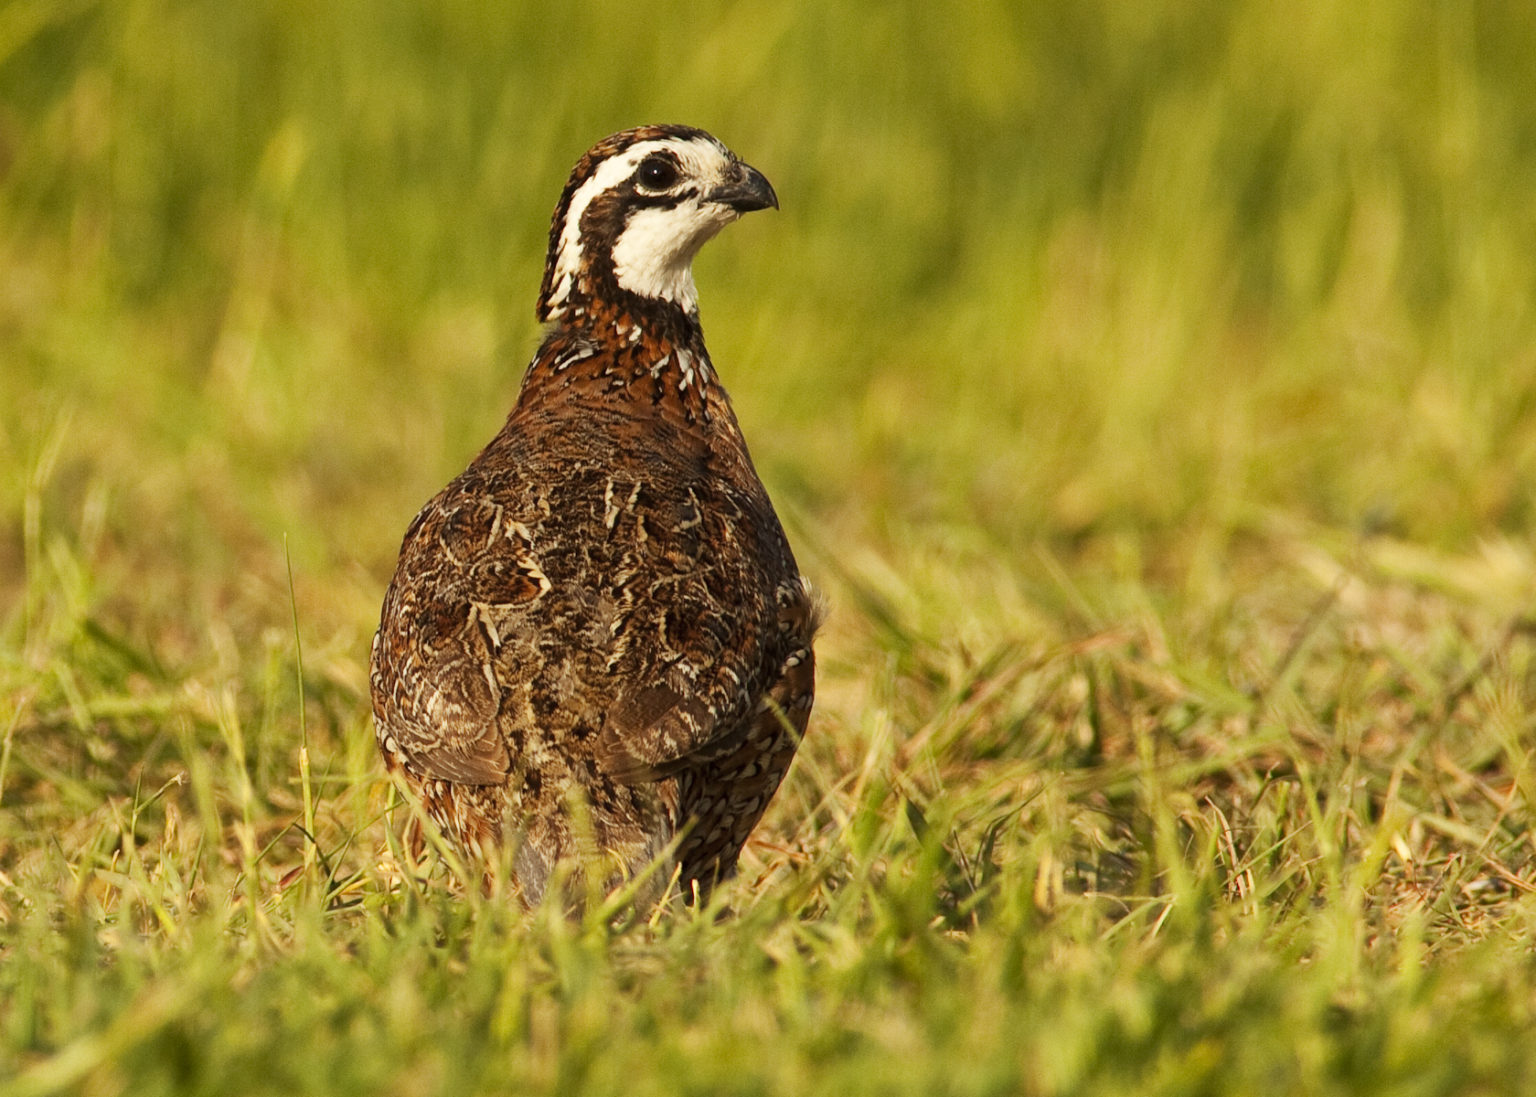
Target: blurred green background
{"x": 1152, "y": 387}
{"x": 1057, "y": 273}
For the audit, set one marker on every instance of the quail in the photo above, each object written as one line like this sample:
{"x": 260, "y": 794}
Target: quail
{"x": 596, "y": 649}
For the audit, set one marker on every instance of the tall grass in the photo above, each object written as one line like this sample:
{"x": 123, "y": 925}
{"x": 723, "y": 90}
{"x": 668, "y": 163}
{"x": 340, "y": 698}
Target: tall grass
{"x": 1152, "y": 388}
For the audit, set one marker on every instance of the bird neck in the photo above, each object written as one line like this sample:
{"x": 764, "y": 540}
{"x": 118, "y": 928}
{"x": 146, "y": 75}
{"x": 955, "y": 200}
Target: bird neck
{"x": 646, "y": 355}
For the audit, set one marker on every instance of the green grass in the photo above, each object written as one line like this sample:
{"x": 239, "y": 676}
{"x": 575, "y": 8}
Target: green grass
{"x": 1152, "y": 389}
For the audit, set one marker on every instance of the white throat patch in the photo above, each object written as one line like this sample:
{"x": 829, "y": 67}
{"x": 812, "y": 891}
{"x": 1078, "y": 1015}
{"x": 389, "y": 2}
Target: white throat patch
{"x": 654, "y": 253}
{"x": 653, "y": 256}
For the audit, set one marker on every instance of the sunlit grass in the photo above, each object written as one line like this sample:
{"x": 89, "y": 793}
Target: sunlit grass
{"x": 1152, "y": 389}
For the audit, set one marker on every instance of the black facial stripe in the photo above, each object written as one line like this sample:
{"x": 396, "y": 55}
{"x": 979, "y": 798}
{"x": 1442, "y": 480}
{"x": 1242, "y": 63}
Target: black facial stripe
{"x": 671, "y": 200}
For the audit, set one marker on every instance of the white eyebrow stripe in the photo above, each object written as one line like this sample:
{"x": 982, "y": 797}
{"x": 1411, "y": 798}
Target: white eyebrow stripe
{"x": 608, "y": 175}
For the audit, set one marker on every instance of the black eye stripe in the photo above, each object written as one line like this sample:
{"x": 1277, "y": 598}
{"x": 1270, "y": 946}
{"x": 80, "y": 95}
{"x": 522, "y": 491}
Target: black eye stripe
{"x": 670, "y": 200}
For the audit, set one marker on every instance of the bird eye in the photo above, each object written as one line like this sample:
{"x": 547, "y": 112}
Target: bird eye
{"x": 656, "y": 173}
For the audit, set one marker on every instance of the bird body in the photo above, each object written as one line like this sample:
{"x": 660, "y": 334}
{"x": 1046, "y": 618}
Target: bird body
{"x": 598, "y": 632}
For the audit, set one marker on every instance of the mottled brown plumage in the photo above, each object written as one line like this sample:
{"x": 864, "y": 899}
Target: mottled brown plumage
{"x": 598, "y": 628}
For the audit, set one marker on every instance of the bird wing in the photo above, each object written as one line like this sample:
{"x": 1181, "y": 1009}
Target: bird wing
{"x": 464, "y": 563}
{"x": 654, "y": 731}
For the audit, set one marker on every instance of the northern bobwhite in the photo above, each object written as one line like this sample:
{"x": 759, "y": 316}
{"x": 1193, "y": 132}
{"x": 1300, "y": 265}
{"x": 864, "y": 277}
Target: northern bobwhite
{"x": 597, "y": 643}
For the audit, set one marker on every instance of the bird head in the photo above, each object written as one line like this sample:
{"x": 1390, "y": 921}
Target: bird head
{"x": 636, "y": 210}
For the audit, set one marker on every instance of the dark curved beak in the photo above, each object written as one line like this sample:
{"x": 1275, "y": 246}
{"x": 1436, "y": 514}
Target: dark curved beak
{"x": 749, "y": 190}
